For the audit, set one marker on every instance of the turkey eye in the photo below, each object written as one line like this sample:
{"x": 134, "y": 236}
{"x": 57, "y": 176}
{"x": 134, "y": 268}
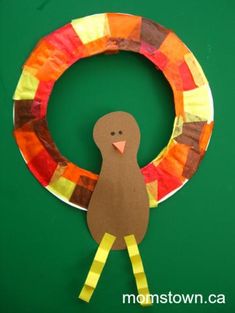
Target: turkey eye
{"x": 112, "y": 133}
{"x": 120, "y": 132}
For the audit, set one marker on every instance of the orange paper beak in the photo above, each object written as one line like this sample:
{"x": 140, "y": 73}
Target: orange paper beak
{"x": 120, "y": 146}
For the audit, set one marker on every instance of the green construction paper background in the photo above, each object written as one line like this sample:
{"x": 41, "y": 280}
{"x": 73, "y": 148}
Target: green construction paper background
{"x": 45, "y": 246}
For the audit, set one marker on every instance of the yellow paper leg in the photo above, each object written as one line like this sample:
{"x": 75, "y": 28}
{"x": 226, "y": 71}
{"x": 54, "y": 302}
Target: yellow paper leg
{"x": 138, "y": 270}
{"x": 97, "y": 267}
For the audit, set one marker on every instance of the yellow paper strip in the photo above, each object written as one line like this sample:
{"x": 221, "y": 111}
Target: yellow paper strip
{"x": 97, "y": 267}
{"x": 138, "y": 270}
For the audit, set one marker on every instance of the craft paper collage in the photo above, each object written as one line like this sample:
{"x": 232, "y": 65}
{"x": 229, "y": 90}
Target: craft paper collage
{"x": 117, "y": 158}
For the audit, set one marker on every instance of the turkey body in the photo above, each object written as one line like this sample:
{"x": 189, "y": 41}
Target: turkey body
{"x": 119, "y": 204}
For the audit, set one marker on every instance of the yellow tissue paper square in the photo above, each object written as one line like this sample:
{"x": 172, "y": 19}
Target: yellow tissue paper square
{"x": 196, "y": 70}
{"x": 26, "y": 87}
{"x": 62, "y": 187}
{"x": 199, "y": 102}
{"x": 92, "y": 27}
{"x": 152, "y": 189}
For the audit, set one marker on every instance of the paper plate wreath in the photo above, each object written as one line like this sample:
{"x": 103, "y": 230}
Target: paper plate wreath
{"x": 162, "y": 177}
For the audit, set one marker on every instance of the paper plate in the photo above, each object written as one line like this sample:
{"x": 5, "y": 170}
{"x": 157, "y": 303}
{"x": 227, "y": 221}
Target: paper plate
{"x": 102, "y": 33}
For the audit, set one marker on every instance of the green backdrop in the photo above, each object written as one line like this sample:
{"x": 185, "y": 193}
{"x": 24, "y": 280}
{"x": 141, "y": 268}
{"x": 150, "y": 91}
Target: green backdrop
{"x": 45, "y": 246}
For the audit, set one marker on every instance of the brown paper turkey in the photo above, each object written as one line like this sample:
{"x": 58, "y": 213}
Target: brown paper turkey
{"x": 118, "y": 211}
{"x": 119, "y": 204}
